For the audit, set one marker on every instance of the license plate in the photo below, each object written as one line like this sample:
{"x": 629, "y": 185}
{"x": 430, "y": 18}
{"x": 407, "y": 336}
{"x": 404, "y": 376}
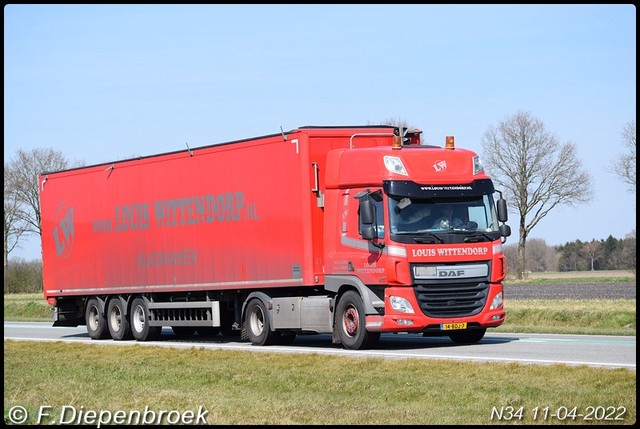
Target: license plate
{"x": 453, "y": 326}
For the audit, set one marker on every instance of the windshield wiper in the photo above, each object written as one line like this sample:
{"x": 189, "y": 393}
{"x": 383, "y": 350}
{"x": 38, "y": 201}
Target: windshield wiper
{"x": 428, "y": 239}
{"x": 420, "y": 236}
{"x": 477, "y": 236}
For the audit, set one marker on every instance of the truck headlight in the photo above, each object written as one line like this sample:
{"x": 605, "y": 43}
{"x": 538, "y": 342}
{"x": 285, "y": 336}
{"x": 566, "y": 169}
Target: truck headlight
{"x": 400, "y": 304}
{"x": 497, "y": 302}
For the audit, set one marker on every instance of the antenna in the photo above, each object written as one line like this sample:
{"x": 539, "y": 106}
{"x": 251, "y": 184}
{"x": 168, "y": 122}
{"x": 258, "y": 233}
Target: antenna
{"x": 284, "y": 136}
{"x": 189, "y": 149}
{"x": 110, "y": 170}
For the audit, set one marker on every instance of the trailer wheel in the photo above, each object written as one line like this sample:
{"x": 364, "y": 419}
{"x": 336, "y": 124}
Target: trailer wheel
{"x": 119, "y": 326}
{"x": 350, "y": 323}
{"x": 96, "y": 321}
{"x": 257, "y": 324}
{"x": 140, "y": 317}
{"x": 467, "y": 337}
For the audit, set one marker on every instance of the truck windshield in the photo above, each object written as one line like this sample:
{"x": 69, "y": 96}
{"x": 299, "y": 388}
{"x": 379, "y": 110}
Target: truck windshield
{"x": 414, "y": 215}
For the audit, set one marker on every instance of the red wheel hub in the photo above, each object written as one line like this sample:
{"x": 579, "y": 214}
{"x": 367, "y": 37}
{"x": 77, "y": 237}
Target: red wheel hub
{"x": 350, "y": 321}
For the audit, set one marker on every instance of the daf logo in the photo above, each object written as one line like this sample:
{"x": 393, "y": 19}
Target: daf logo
{"x": 451, "y": 273}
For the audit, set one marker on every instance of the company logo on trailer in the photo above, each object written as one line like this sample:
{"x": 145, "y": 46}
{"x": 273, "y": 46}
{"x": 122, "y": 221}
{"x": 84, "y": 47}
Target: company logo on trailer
{"x": 63, "y": 232}
{"x": 440, "y": 166}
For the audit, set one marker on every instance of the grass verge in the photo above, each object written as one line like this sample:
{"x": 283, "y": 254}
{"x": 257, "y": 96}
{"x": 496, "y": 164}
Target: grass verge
{"x": 594, "y": 317}
{"x": 26, "y": 307}
{"x": 269, "y": 388}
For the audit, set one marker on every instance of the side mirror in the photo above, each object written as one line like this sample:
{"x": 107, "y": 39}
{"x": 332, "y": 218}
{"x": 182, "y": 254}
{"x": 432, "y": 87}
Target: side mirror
{"x": 505, "y": 230}
{"x": 368, "y": 221}
{"x": 503, "y": 214}
{"x": 366, "y": 212}
{"x": 368, "y": 233}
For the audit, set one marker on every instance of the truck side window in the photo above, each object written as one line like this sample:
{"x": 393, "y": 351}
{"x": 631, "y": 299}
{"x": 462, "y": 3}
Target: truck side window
{"x": 377, "y": 205}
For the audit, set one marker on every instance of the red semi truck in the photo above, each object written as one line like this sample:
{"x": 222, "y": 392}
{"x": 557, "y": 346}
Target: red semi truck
{"x": 315, "y": 230}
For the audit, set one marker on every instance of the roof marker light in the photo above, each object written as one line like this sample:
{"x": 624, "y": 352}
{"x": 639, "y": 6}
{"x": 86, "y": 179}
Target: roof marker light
{"x": 477, "y": 165}
{"x": 395, "y": 165}
{"x": 449, "y": 143}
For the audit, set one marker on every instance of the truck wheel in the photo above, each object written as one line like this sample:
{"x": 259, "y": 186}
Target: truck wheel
{"x": 96, "y": 321}
{"x": 140, "y": 317}
{"x": 244, "y": 336}
{"x": 257, "y": 324}
{"x": 467, "y": 337}
{"x": 119, "y": 326}
{"x": 350, "y": 323}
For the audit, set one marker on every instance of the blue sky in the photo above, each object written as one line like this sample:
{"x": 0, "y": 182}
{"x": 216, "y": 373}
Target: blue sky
{"x": 106, "y": 82}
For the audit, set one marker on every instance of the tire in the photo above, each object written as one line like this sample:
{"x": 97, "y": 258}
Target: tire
{"x": 118, "y": 322}
{"x": 244, "y": 336}
{"x": 467, "y": 337}
{"x": 350, "y": 323}
{"x": 140, "y": 317}
{"x": 183, "y": 331}
{"x": 257, "y": 324}
{"x": 96, "y": 321}
{"x": 207, "y": 331}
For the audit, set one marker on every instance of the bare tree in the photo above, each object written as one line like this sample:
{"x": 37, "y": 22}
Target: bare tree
{"x": 625, "y": 165}
{"x": 540, "y": 256}
{"x": 21, "y": 186}
{"x": 629, "y": 251}
{"x": 536, "y": 172}
{"x": 592, "y": 250}
{"x": 14, "y": 227}
{"x": 396, "y": 122}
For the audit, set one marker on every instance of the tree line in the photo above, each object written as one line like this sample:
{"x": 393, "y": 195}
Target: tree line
{"x": 595, "y": 255}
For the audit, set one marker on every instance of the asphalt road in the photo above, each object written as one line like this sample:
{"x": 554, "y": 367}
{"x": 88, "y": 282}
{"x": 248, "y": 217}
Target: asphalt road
{"x": 539, "y": 349}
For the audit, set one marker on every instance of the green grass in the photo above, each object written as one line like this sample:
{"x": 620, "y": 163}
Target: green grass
{"x": 595, "y": 317}
{"x": 26, "y": 307}
{"x": 271, "y": 388}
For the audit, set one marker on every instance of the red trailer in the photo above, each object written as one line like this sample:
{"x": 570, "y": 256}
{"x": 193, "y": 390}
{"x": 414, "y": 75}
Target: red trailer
{"x": 300, "y": 232}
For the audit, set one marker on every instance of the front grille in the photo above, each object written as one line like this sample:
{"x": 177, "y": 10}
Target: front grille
{"x": 451, "y": 299}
